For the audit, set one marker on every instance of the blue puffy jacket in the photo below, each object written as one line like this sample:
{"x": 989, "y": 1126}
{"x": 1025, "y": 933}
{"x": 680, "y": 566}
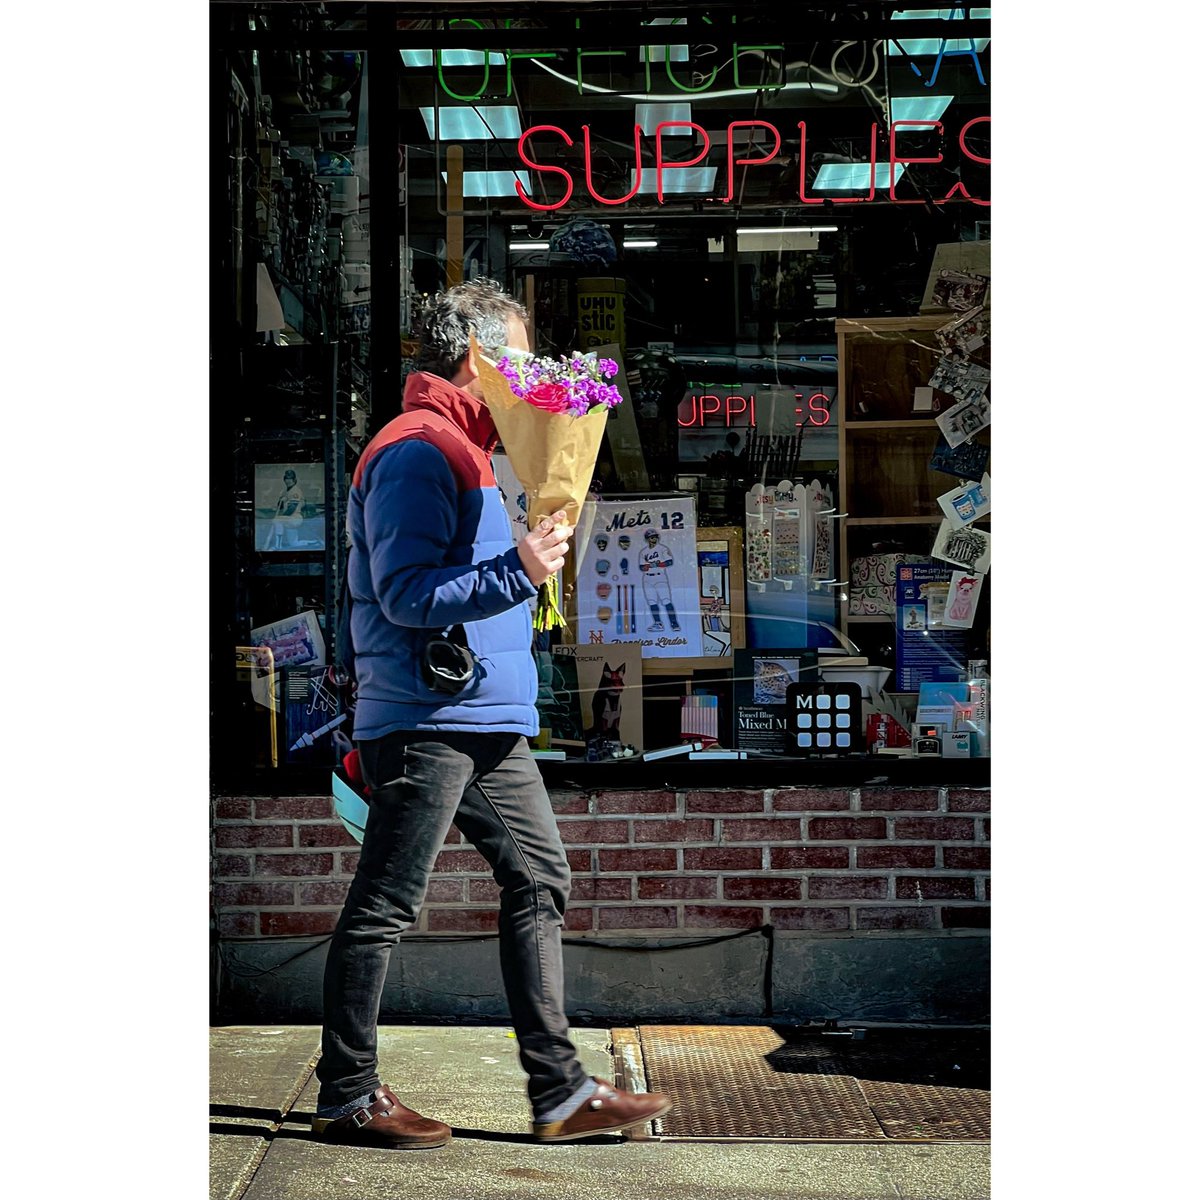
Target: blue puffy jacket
{"x": 431, "y": 547}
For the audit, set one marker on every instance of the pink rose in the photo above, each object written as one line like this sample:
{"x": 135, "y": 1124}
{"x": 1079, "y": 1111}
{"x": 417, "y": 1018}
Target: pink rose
{"x": 550, "y": 397}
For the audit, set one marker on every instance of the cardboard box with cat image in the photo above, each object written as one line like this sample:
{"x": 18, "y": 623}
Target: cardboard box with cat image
{"x": 610, "y": 698}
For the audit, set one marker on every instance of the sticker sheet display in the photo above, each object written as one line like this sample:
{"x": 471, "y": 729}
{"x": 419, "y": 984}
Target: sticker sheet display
{"x": 965, "y": 334}
{"x": 960, "y": 290}
{"x": 637, "y": 580}
{"x": 968, "y": 548}
{"x": 963, "y": 600}
{"x": 960, "y": 378}
{"x": 968, "y": 460}
{"x": 967, "y": 503}
{"x": 964, "y": 420}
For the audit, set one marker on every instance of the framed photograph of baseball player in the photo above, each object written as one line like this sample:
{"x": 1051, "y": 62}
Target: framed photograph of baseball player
{"x": 637, "y": 581}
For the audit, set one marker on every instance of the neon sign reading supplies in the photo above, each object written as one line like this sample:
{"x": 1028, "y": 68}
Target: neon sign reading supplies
{"x": 765, "y": 147}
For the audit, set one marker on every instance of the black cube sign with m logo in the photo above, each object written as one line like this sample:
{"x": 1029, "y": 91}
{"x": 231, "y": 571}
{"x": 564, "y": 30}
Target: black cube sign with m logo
{"x": 824, "y": 718}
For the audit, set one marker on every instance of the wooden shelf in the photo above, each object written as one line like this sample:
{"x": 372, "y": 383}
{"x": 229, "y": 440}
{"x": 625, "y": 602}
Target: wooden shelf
{"x": 931, "y": 520}
{"x": 915, "y": 423}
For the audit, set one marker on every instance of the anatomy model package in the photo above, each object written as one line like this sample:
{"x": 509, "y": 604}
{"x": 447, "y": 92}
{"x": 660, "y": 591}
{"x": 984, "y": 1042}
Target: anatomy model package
{"x": 636, "y": 577}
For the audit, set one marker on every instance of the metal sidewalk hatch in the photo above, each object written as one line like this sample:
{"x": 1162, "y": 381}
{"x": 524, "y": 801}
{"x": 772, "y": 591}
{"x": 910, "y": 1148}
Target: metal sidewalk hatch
{"x": 760, "y": 1083}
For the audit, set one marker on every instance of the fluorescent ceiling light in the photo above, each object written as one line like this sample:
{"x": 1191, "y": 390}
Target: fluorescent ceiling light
{"x": 755, "y": 242}
{"x": 529, "y": 245}
{"x": 451, "y": 58}
{"x": 849, "y": 177}
{"x": 648, "y": 116}
{"x": 677, "y": 180}
{"x": 918, "y": 108}
{"x": 678, "y": 53}
{"x": 493, "y": 183}
{"x": 788, "y": 229}
{"x": 478, "y": 123}
{"x": 640, "y": 244}
{"x": 918, "y": 46}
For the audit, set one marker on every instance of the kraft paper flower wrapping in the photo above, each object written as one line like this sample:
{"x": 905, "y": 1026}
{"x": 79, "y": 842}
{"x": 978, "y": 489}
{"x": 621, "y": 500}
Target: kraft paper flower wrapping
{"x": 553, "y": 455}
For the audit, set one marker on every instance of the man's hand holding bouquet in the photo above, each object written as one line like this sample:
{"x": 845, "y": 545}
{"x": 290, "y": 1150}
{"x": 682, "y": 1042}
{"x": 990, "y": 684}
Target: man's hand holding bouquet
{"x": 550, "y": 415}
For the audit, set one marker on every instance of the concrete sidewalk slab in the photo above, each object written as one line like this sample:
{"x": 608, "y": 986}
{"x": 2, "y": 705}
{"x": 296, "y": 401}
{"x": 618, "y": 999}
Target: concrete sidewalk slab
{"x": 471, "y": 1077}
{"x": 255, "y": 1075}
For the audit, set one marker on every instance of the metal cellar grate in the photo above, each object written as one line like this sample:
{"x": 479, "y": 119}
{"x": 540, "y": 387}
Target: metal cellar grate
{"x": 756, "y": 1083}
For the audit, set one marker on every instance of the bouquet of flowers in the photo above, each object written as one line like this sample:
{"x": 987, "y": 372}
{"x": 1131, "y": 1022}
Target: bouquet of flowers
{"x": 550, "y": 414}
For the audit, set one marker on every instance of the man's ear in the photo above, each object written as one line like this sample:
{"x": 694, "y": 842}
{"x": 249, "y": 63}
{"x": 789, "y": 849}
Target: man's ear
{"x": 467, "y": 371}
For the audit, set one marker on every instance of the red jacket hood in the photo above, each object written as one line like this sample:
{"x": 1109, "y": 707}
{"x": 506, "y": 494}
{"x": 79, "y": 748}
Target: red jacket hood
{"x": 423, "y": 391}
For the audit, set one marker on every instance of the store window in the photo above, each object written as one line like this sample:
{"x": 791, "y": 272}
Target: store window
{"x": 782, "y": 237}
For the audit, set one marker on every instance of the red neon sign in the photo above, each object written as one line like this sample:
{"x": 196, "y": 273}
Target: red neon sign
{"x": 661, "y": 165}
{"x": 706, "y": 411}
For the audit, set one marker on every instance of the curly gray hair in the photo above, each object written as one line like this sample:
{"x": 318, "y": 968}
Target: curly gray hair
{"x": 481, "y": 307}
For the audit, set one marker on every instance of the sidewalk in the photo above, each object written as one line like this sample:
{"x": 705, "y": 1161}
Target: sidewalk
{"x": 263, "y": 1095}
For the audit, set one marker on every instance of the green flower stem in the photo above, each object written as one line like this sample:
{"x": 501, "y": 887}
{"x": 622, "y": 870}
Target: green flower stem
{"x": 548, "y": 615}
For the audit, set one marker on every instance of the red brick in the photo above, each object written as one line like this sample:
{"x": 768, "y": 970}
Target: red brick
{"x": 254, "y": 835}
{"x": 568, "y": 802}
{"x": 293, "y": 864}
{"x": 347, "y": 863}
{"x": 636, "y": 802}
{"x": 242, "y": 924}
{"x": 935, "y": 829}
{"x": 691, "y": 830}
{"x": 966, "y": 918}
{"x": 478, "y": 889}
{"x": 966, "y": 858}
{"x": 773, "y": 888}
{"x": 649, "y": 916}
{"x": 895, "y": 918}
{"x": 721, "y": 916}
{"x": 461, "y": 860}
{"x": 800, "y": 858}
{"x": 232, "y": 808}
{"x": 579, "y": 860}
{"x": 972, "y": 801}
{"x": 815, "y": 799}
{"x": 723, "y": 802}
{"x": 676, "y": 887}
{"x": 641, "y": 860}
{"x": 594, "y": 832}
{"x": 463, "y": 920}
{"x": 231, "y": 865}
{"x": 454, "y": 836}
{"x": 723, "y": 858}
{"x": 446, "y": 891}
{"x": 327, "y": 894}
{"x": 293, "y": 808}
{"x": 589, "y": 887}
{"x": 934, "y": 887}
{"x": 286, "y": 924}
{"x": 847, "y": 887}
{"x": 895, "y": 856}
{"x": 769, "y": 829}
{"x": 324, "y": 835}
{"x": 254, "y": 895}
{"x": 578, "y": 919}
{"x": 846, "y": 829}
{"x": 898, "y": 800}
{"x": 810, "y": 918}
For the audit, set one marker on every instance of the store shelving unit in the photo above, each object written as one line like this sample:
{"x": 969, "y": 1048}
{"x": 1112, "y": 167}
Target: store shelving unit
{"x": 886, "y": 487}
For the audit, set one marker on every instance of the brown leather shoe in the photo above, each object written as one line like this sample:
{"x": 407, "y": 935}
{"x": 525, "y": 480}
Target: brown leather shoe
{"x": 608, "y": 1110}
{"x": 386, "y": 1124}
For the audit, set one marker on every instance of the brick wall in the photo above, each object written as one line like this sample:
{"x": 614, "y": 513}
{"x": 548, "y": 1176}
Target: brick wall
{"x": 649, "y": 863}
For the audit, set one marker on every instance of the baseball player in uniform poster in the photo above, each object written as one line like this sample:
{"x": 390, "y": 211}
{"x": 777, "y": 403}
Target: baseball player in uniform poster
{"x": 654, "y": 560}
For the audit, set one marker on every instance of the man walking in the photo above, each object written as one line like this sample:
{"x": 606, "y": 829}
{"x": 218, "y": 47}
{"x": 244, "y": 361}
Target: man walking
{"x": 432, "y": 552}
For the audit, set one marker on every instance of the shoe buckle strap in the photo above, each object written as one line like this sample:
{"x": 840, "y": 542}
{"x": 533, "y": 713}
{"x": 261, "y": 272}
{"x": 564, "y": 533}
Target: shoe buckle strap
{"x": 363, "y": 1116}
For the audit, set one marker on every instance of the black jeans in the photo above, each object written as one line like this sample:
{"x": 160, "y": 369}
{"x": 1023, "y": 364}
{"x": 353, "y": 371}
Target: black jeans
{"x": 489, "y": 786}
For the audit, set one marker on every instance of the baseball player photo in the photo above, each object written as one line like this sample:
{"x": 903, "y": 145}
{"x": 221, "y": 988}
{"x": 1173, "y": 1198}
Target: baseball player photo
{"x": 653, "y": 561}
